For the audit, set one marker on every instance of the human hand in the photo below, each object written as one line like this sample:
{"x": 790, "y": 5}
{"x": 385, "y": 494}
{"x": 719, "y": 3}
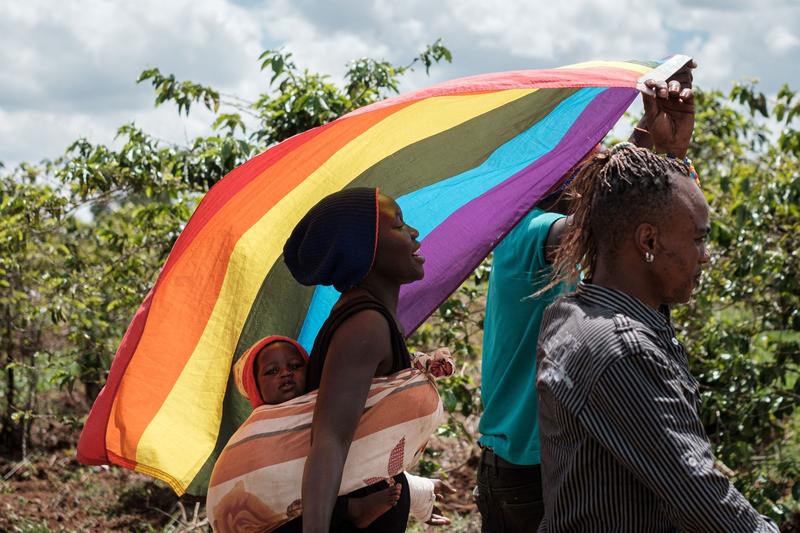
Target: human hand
{"x": 442, "y": 364}
{"x": 438, "y": 519}
{"x": 438, "y": 363}
{"x": 442, "y": 488}
{"x": 669, "y": 114}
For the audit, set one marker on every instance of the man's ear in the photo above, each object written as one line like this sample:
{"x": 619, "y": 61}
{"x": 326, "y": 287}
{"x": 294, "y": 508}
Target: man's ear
{"x": 646, "y": 238}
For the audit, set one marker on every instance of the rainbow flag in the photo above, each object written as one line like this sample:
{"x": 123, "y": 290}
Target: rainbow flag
{"x": 465, "y": 159}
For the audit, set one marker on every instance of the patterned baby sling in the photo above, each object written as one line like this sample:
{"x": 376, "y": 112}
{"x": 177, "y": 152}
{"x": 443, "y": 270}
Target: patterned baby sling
{"x": 256, "y": 482}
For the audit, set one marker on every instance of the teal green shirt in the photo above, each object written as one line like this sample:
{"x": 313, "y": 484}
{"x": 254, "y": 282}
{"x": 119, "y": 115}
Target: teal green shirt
{"x": 510, "y": 421}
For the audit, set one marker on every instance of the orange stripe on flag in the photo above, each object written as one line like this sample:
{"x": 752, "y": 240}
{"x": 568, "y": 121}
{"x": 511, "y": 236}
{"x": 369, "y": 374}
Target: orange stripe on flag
{"x": 150, "y": 375}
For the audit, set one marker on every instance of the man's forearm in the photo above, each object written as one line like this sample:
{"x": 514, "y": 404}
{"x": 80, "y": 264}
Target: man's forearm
{"x": 640, "y": 136}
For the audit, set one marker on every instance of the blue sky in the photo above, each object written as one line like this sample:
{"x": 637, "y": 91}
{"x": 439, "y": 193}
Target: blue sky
{"x": 69, "y": 66}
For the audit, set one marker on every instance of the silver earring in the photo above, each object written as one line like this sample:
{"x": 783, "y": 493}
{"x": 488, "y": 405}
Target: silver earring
{"x": 648, "y": 257}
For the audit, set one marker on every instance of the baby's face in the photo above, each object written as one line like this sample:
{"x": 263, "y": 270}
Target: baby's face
{"x": 280, "y": 373}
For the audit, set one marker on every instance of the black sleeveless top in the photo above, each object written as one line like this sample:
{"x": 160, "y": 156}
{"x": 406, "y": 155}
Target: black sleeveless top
{"x": 400, "y": 356}
{"x": 395, "y": 519}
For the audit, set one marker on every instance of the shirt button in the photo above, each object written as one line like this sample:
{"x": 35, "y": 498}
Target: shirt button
{"x": 675, "y": 341}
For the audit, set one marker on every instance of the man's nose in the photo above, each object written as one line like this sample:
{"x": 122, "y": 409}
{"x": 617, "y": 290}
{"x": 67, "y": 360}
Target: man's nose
{"x": 706, "y": 256}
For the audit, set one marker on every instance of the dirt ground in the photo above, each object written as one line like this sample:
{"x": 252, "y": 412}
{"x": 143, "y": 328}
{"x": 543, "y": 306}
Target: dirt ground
{"x": 51, "y": 491}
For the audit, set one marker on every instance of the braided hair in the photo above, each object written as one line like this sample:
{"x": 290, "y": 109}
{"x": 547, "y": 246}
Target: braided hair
{"x": 612, "y": 191}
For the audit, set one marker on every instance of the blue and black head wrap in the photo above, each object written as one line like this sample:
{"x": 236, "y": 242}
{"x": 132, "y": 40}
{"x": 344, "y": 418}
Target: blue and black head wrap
{"x": 335, "y": 242}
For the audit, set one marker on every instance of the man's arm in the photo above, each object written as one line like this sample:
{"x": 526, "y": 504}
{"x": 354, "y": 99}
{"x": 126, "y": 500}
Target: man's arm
{"x": 668, "y": 121}
{"x": 666, "y": 128}
{"x": 557, "y": 230}
{"x": 638, "y": 412}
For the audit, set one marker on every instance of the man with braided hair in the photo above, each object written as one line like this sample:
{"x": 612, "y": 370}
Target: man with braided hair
{"x": 509, "y": 491}
{"x": 623, "y": 447}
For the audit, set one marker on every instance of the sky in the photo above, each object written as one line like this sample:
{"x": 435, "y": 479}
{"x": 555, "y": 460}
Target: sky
{"x": 68, "y": 68}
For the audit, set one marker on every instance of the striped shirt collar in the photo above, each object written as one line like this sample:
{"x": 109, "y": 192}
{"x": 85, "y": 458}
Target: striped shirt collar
{"x": 626, "y": 304}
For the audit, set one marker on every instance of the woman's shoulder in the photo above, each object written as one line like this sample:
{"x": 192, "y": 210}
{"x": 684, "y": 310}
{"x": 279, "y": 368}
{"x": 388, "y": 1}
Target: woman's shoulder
{"x": 359, "y": 304}
{"x": 369, "y": 325}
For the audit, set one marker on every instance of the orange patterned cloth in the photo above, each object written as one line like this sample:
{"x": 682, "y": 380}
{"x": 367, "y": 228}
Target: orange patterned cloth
{"x": 256, "y": 482}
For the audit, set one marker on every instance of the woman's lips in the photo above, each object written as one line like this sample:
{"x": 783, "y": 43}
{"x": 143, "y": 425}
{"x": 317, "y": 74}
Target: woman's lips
{"x": 418, "y": 256}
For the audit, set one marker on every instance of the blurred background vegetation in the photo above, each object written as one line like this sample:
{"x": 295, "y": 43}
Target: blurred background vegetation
{"x": 82, "y": 239}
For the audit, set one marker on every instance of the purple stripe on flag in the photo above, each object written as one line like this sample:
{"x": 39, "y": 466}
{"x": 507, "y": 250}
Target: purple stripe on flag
{"x": 455, "y": 247}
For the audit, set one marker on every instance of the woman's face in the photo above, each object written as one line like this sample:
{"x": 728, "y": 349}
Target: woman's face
{"x": 280, "y": 373}
{"x": 397, "y": 257}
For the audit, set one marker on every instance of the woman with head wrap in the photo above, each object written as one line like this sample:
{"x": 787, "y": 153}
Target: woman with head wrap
{"x": 357, "y": 241}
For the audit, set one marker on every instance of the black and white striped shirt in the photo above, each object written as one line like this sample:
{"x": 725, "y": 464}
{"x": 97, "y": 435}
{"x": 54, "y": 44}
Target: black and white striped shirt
{"x": 623, "y": 448}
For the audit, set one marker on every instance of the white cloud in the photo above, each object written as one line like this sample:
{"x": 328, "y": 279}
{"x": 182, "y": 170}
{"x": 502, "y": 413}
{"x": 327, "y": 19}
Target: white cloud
{"x": 313, "y": 47}
{"x": 715, "y": 59}
{"x": 574, "y": 30}
{"x": 69, "y": 66}
{"x": 35, "y": 135}
{"x": 64, "y": 54}
{"x": 731, "y": 42}
{"x": 780, "y": 40}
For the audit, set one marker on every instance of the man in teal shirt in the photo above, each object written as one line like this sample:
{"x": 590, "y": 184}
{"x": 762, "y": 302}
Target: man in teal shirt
{"x": 509, "y": 491}
{"x": 509, "y": 478}
{"x": 511, "y": 327}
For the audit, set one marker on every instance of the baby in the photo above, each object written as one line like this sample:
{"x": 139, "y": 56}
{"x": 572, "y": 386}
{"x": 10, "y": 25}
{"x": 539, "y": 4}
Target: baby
{"x": 279, "y": 375}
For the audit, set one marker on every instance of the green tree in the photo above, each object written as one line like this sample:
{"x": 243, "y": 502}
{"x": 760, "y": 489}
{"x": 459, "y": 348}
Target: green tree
{"x": 743, "y": 327}
{"x": 83, "y": 237}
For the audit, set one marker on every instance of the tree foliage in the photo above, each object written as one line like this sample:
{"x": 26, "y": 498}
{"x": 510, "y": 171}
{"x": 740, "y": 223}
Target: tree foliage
{"x": 83, "y": 237}
{"x": 743, "y": 327}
